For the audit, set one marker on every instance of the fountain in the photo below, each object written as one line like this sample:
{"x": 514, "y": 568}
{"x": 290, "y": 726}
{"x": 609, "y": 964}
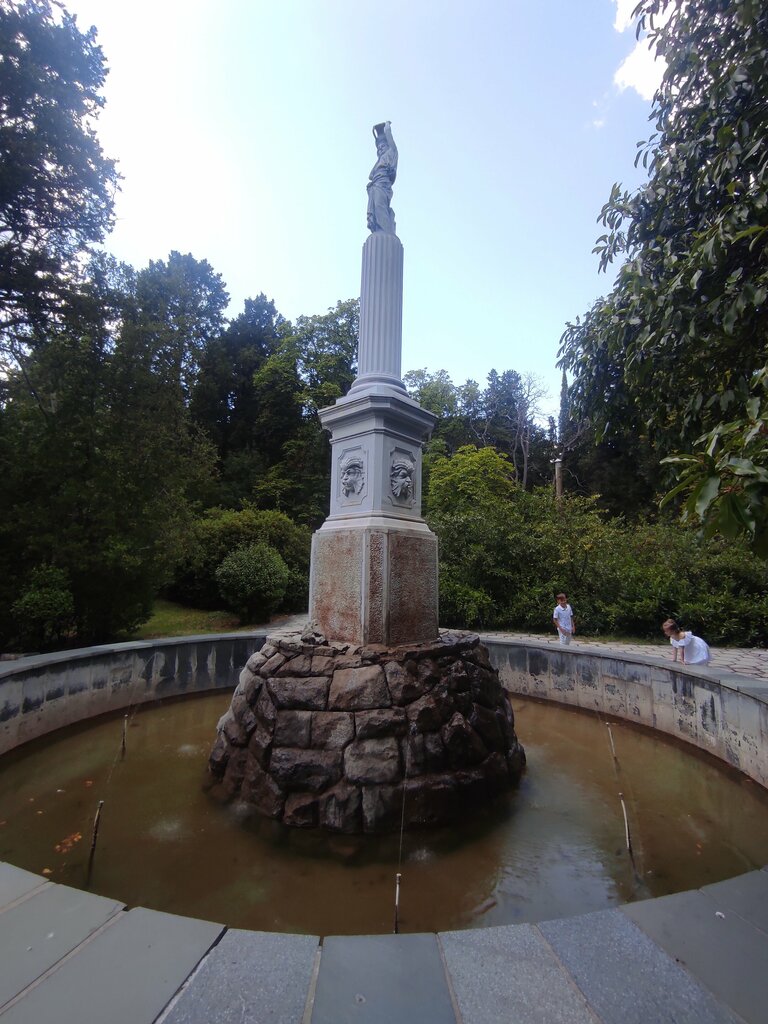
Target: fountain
{"x": 372, "y": 718}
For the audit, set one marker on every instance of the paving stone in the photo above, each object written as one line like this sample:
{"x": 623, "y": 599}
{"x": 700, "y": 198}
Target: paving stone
{"x": 745, "y": 895}
{"x": 381, "y": 979}
{"x": 15, "y": 883}
{"x": 510, "y": 974}
{"x": 727, "y": 953}
{"x": 125, "y": 975}
{"x": 248, "y": 978}
{"x": 625, "y": 977}
{"x": 38, "y": 932}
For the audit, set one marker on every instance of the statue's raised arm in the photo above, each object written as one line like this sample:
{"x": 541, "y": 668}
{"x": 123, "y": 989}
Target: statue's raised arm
{"x": 381, "y": 216}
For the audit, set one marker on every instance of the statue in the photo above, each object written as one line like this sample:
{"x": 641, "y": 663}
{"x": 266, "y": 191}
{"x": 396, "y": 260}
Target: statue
{"x": 381, "y": 217}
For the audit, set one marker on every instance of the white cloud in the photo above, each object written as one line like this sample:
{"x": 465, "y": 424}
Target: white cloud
{"x": 641, "y": 71}
{"x": 624, "y": 18}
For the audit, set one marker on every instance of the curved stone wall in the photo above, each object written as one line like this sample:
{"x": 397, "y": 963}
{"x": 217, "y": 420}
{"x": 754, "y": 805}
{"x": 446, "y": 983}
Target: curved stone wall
{"x": 723, "y": 714}
{"x": 48, "y": 691}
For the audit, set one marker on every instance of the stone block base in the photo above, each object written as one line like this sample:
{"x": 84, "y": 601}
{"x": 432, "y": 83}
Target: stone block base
{"x": 375, "y": 584}
{"x": 354, "y": 739}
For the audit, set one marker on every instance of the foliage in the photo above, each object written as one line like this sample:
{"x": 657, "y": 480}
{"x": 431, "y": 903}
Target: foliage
{"x": 56, "y": 186}
{"x": 253, "y": 581}
{"x": 505, "y": 553}
{"x": 96, "y": 455}
{"x": 222, "y": 531}
{"x": 505, "y": 415}
{"x": 45, "y": 610}
{"x": 679, "y": 344}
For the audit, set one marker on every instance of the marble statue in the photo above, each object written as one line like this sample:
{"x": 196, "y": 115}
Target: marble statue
{"x": 381, "y": 216}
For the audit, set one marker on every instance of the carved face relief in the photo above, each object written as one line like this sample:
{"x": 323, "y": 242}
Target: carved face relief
{"x": 401, "y": 478}
{"x": 352, "y": 475}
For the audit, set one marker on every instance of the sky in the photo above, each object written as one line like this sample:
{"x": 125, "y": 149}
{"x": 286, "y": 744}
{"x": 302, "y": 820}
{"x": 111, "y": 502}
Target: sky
{"x": 242, "y": 130}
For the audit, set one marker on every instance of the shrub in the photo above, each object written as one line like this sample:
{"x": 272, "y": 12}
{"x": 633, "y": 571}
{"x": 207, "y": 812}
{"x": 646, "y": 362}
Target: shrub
{"x": 45, "y": 610}
{"x": 252, "y": 581}
{"x": 222, "y": 531}
{"x": 505, "y": 553}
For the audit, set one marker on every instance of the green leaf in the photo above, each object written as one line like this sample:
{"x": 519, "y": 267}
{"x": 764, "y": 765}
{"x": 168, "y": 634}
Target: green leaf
{"x": 705, "y": 494}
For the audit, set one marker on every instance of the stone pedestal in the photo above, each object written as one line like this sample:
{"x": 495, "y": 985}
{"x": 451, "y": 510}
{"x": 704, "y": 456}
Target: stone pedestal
{"x": 375, "y": 583}
{"x": 360, "y": 739}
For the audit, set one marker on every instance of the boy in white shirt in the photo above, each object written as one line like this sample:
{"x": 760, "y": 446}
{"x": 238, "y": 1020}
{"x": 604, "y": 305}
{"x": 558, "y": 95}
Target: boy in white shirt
{"x": 563, "y": 619}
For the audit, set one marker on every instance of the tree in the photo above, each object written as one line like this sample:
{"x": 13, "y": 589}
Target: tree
{"x": 97, "y": 457}
{"x": 56, "y": 185}
{"x": 679, "y": 346}
{"x": 181, "y": 304}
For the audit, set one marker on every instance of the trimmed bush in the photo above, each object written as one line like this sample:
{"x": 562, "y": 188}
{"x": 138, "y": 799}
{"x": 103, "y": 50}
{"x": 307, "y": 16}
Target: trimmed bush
{"x": 252, "y": 581}
{"x": 44, "y": 613}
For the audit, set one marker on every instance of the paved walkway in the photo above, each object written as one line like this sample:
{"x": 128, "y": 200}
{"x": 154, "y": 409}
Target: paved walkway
{"x": 70, "y": 957}
{"x": 746, "y": 661}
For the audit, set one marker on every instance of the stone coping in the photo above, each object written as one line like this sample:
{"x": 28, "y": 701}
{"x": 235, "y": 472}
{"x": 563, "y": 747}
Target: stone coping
{"x": 697, "y": 956}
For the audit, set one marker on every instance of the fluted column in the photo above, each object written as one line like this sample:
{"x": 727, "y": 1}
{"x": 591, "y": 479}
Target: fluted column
{"x": 381, "y": 313}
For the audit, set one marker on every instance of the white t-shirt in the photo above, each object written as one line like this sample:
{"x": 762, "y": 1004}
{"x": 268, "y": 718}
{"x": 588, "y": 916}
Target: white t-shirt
{"x": 696, "y": 649}
{"x": 563, "y": 617}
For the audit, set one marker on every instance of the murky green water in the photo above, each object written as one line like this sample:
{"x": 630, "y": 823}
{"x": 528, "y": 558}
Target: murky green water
{"x": 553, "y": 848}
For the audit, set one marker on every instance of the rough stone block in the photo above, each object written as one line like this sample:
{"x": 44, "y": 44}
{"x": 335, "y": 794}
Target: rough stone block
{"x": 382, "y": 808}
{"x": 301, "y": 810}
{"x": 340, "y": 808}
{"x": 424, "y": 753}
{"x": 369, "y": 762}
{"x": 294, "y": 768}
{"x": 262, "y": 791}
{"x": 359, "y": 689}
{"x": 265, "y": 710}
{"x": 292, "y": 728}
{"x": 300, "y": 665}
{"x": 271, "y": 665}
{"x": 260, "y": 744}
{"x": 403, "y": 682}
{"x": 332, "y": 730}
{"x": 463, "y": 744}
{"x": 430, "y": 711}
{"x": 380, "y": 722}
{"x": 307, "y": 693}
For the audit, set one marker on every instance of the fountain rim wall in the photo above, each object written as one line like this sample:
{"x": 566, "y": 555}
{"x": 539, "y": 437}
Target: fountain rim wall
{"x": 722, "y": 713}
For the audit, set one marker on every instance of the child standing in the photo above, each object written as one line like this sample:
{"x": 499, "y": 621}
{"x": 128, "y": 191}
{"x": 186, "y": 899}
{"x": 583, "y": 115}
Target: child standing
{"x": 693, "y": 650}
{"x": 563, "y": 619}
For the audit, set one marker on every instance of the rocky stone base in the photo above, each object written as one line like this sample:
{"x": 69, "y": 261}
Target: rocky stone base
{"x": 330, "y": 735}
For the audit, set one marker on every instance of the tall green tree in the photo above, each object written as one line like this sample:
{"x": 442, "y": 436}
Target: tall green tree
{"x": 97, "y": 457}
{"x": 678, "y": 348}
{"x": 180, "y": 302}
{"x": 56, "y": 185}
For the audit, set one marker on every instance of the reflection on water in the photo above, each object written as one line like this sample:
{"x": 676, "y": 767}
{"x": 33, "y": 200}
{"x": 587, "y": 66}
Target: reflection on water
{"x": 554, "y": 847}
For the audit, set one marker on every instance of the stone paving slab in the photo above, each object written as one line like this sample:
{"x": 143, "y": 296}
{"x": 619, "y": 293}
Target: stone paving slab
{"x": 625, "y": 977}
{"x": 15, "y": 883}
{"x": 381, "y": 979}
{"x": 125, "y": 975}
{"x": 727, "y": 952}
{"x": 510, "y": 974}
{"x": 36, "y": 933}
{"x": 248, "y": 978}
{"x": 745, "y": 895}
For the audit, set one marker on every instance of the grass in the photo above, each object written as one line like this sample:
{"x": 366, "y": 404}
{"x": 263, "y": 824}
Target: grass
{"x": 170, "y": 619}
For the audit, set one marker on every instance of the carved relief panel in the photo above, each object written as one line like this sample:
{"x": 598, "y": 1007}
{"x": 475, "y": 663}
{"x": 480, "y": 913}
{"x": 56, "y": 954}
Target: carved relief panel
{"x": 402, "y": 477}
{"x": 352, "y": 475}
